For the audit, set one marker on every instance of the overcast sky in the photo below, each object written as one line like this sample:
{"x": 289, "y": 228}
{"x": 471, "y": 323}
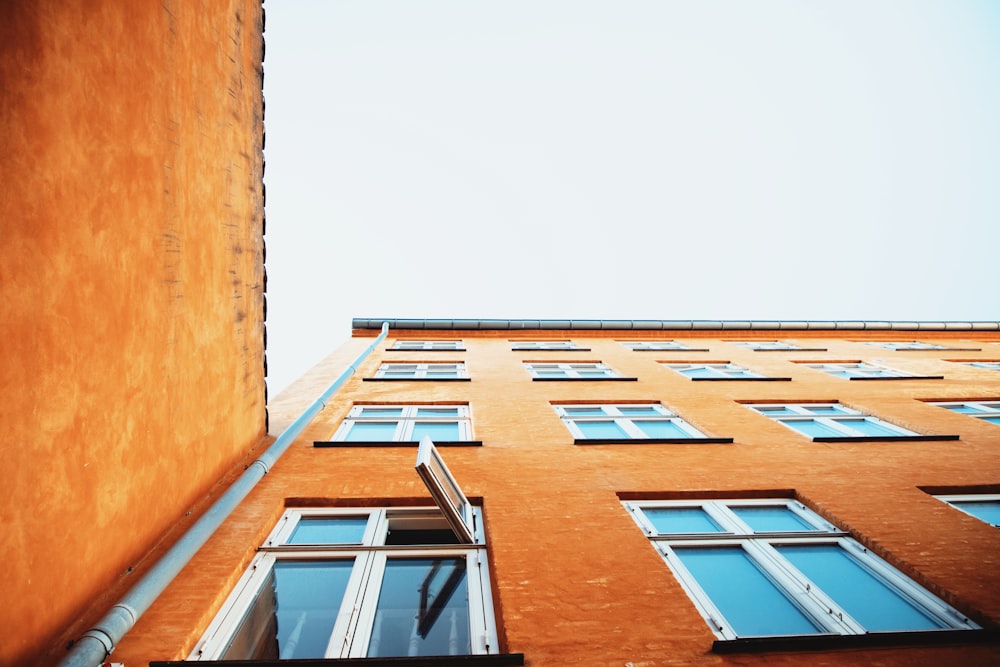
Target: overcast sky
{"x": 624, "y": 159}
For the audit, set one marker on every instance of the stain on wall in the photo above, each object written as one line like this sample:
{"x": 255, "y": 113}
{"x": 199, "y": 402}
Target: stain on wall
{"x": 131, "y": 287}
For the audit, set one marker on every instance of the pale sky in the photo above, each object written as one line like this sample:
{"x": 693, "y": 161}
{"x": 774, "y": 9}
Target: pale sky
{"x": 627, "y": 159}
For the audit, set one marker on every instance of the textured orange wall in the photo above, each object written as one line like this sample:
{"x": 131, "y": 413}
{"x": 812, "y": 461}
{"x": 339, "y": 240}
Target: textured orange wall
{"x": 131, "y": 282}
{"x": 576, "y": 581}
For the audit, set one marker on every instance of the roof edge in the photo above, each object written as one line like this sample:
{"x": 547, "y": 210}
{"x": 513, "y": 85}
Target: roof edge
{"x": 663, "y": 325}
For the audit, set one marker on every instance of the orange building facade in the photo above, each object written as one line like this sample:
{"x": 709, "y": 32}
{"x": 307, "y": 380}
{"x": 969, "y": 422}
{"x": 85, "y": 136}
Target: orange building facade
{"x": 635, "y": 493}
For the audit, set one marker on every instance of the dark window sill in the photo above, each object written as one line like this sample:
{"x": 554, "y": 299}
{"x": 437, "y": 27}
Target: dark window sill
{"x": 886, "y": 438}
{"x": 904, "y": 377}
{"x": 496, "y": 660}
{"x": 742, "y": 379}
{"x": 585, "y": 379}
{"x": 395, "y": 443}
{"x": 416, "y": 379}
{"x": 870, "y": 640}
{"x": 652, "y": 441}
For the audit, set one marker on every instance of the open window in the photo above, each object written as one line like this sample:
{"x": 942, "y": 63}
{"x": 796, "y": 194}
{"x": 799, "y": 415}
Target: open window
{"x": 367, "y": 582}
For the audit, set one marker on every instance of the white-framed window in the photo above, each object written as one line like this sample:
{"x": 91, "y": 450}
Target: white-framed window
{"x": 421, "y": 371}
{"x": 985, "y": 410}
{"x": 774, "y": 568}
{"x": 762, "y": 345}
{"x": 570, "y": 371}
{"x": 823, "y": 421}
{"x": 656, "y": 345}
{"x": 362, "y": 582}
{"x": 546, "y": 345}
{"x": 718, "y": 371}
{"x": 427, "y": 345}
{"x": 983, "y": 506}
{"x": 626, "y": 421}
{"x": 908, "y": 345}
{"x": 862, "y": 371}
{"x": 988, "y": 365}
{"x": 405, "y": 423}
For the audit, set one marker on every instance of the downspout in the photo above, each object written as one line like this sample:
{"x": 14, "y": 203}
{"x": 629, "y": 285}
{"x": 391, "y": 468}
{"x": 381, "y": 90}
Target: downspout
{"x": 97, "y": 643}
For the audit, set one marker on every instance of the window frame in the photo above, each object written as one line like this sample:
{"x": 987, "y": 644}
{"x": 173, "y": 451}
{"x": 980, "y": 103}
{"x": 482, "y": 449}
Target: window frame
{"x": 634, "y": 433}
{"x": 985, "y": 364}
{"x": 988, "y": 409}
{"x": 405, "y": 424}
{"x": 659, "y": 346}
{"x": 421, "y": 370}
{"x": 774, "y": 346}
{"x": 444, "y": 345}
{"x": 721, "y": 371}
{"x": 546, "y": 345}
{"x": 801, "y": 413}
{"x": 919, "y": 346}
{"x": 968, "y": 498}
{"x": 862, "y": 370}
{"x": 571, "y": 371}
{"x": 819, "y": 608}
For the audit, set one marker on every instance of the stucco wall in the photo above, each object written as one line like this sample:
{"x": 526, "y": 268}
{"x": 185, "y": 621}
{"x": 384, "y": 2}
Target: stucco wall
{"x": 131, "y": 287}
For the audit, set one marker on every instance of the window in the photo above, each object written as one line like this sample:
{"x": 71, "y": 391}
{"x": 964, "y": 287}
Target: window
{"x": 773, "y": 568}
{"x": 428, "y": 345}
{"x": 774, "y": 346}
{"x": 985, "y": 410}
{"x": 717, "y": 371}
{"x": 404, "y": 424}
{"x": 657, "y": 345}
{"x": 863, "y": 371}
{"x": 572, "y": 371}
{"x": 547, "y": 345}
{"x": 364, "y": 582}
{"x": 414, "y": 371}
{"x": 827, "y": 422}
{"x": 983, "y": 506}
{"x": 988, "y": 365}
{"x": 649, "y": 422}
{"x": 916, "y": 345}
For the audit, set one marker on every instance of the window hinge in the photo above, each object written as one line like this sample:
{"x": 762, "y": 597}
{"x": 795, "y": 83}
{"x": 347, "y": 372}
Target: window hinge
{"x": 714, "y": 622}
{"x": 955, "y": 613}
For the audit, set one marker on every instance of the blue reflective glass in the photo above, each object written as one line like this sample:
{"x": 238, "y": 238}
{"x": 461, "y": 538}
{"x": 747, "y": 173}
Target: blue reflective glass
{"x": 437, "y": 412}
{"x": 369, "y": 432}
{"x": 965, "y": 409}
{"x": 673, "y": 520}
{"x": 769, "y": 519}
{"x": 381, "y": 412}
{"x": 987, "y": 510}
{"x": 423, "y": 609}
{"x": 639, "y": 411}
{"x": 307, "y": 598}
{"x": 813, "y": 428}
{"x": 825, "y": 409}
{"x": 593, "y": 373}
{"x": 585, "y": 412}
{"x": 868, "y": 599}
{"x": 443, "y": 431}
{"x": 868, "y": 427}
{"x": 607, "y": 429}
{"x": 992, "y": 420}
{"x": 329, "y": 530}
{"x": 700, "y": 372}
{"x": 751, "y": 603}
{"x": 776, "y": 410}
{"x": 661, "y": 429}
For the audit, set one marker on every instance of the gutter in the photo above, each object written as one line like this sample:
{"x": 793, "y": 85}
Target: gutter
{"x": 93, "y": 648}
{"x": 668, "y": 325}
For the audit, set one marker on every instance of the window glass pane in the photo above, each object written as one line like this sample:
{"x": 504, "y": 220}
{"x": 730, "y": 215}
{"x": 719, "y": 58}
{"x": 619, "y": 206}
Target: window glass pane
{"x": 329, "y": 530}
{"x": 437, "y": 412}
{"x": 868, "y": 599}
{"x": 825, "y": 409}
{"x": 992, "y": 420}
{"x": 774, "y": 410}
{"x": 868, "y": 427}
{"x": 550, "y": 374}
{"x": 423, "y": 609}
{"x": 584, "y": 412}
{"x": 381, "y": 412}
{"x": 681, "y": 520}
{"x": 813, "y": 428}
{"x": 644, "y": 410}
{"x": 442, "y": 374}
{"x": 661, "y": 429}
{"x": 604, "y": 429}
{"x": 307, "y": 598}
{"x": 987, "y": 510}
{"x": 749, "y": 600}
{"x": 700, "y": 372}
{"x": 591, "y": 373}
{"x": 443, "y": 431}
{"x": 966, "y": 409}
{"x": 766, "y": 519}
{"x": 371, "y": 431}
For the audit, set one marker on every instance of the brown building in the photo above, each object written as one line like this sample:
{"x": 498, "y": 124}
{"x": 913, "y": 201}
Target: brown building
{"x": 131, "y": 290}
{"x": 644, "y": 493}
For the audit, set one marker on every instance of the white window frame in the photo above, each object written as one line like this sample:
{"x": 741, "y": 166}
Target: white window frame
{"x": 859, "y": 370}
{"x": 420, "y": 371}
{"x": 354, "y": 626}
{"x": 720, "y": 371}
{"x": 570, "y": 370}
{"x": 613, "y": 412}
{"x": 559, "y": 345}
{"x": 765, "y": 345}
{"x": 988, "y": 365}
{"x": 952, "y": 499}
{"x": 406, "y": 422}
{"x": 838, "y": 422}
{"x": 986, "y": 409}
{"x": 654, "y": 345}
{"x": 427, "y": 345}
{"x": 908, "y": 345}
{"x": 821, "y": 609}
